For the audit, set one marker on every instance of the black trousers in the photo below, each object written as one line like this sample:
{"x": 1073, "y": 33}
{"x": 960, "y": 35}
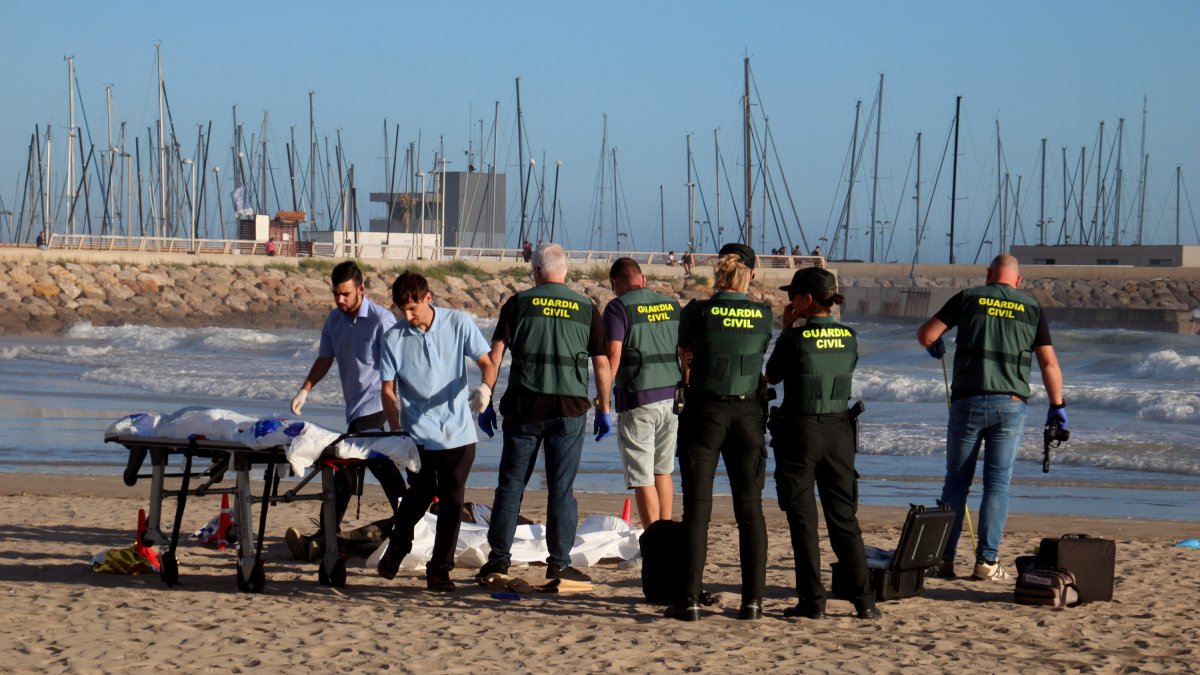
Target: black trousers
{"x": 443, "y": 474}
{"x": 729, "y": 429}
{"x": 345, "y": 481}
{"x": 818, "y": 450}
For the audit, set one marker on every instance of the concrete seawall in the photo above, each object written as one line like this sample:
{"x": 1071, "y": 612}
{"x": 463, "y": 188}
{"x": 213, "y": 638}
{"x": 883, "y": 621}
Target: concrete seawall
{"x": 43, "y": 292}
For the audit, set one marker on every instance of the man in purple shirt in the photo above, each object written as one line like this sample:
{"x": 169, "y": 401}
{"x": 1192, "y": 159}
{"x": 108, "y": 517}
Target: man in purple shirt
{"x": 641, "y": 329}
{"x": 352, "y": 335}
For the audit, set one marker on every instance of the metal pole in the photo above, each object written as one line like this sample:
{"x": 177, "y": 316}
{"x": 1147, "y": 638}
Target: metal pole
{"x": 717, "y": 179}
{"x": 662, "y": 219}
{"x": 554, "y": 200}
{"x": 748, "y": 234}
{"x": 917, "y": 245}
{"x": 691, "y": 191}
{"x": 71, "y": 143}
{"x": 421, "y": 224}
{"x": 954, "y": 175}
{"x": 1042, "y": 207}
{"x": 162, "y": 150}
{"x": 875, "y": 177}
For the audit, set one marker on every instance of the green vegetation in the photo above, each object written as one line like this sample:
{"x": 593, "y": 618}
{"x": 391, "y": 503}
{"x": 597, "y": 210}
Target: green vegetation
{"x": 322, "y": 265}
{"x": 596, "y": 272}
{"x": 695, "y": 280}
{"x": 286, "y": 268}
{"x": 455, "y": 268}
{"x": 518, "y": 273}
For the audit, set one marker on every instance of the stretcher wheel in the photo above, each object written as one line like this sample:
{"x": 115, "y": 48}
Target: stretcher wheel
{"x": 257, "y": 582}
{"x": 337, "y": 578}
{"x": 169, "y": 569}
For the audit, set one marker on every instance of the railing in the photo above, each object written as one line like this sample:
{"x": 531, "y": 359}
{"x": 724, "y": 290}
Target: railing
{"x": 90, "y": 242}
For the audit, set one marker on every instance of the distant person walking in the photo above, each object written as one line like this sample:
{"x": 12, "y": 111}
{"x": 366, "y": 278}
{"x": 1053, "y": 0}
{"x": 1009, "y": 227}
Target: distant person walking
{"x": 1000, "y": 330}
{"x": 641, "y": 328}
{"x": 552, "y": 331}
{"x": 352, "y": 336}
{"x": 688, "y": 262}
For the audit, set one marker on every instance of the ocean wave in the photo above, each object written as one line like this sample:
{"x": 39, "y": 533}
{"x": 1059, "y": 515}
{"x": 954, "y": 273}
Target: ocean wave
{"x": 128, "y": 336}
{"x": 1113, "y": 451}
{"x": 1168, "y": 364}
{"x": 1161, "y": 405}
{"x": 874, "y": 385}
{"x": 200, "y": 382}
{"x": 17, "y": 352}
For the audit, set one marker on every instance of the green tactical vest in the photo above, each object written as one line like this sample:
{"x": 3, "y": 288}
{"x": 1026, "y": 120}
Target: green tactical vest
{"x": 648, "y": 357}
{"x": 994, "y": 348}
{"x": 820, "y": 383}
{"x": 727, "y": 355}
{"x": 551, "y": 327}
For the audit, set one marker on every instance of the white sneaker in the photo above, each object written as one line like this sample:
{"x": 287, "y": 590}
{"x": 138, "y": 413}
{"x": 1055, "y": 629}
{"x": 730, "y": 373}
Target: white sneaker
{"x": 990, "y": 572}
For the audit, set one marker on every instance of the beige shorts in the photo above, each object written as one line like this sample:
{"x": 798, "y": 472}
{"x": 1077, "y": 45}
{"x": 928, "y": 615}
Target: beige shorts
{"x": 646, "y": 438}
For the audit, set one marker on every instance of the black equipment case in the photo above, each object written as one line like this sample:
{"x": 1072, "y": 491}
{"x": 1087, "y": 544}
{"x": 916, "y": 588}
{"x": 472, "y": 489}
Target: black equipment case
{"x": 1092, "y": 560}
{"x": 921, "y": 543}
{"x": 663, "y": 580}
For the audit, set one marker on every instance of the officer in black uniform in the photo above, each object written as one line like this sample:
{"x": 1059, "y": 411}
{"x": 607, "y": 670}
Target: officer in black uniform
{"x": 814, "y": 439}
{"x": 722, "y": 341}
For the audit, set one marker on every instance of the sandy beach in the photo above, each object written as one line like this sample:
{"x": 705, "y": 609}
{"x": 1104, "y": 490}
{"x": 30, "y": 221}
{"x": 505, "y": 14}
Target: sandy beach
{"x": 62, "y": 617}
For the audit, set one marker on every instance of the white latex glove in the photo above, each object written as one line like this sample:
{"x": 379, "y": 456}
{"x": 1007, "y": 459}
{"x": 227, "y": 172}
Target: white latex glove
{"x": 298, "y": 401}
{"x": 480, "y": 397}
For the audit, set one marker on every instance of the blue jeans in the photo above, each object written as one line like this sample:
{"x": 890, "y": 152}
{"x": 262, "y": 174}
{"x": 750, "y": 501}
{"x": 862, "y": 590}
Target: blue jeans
{"x": 562, "y": 438}
{"x": 996, "y": 422}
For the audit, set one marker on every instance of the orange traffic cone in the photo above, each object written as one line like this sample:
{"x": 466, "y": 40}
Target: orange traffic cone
{"x": 224, "y": 521}
{"x": 139, "y": 545}
{"x": 625, "y": 511}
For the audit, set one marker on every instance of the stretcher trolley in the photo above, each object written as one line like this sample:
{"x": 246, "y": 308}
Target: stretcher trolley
{"x": 221, "y": 456}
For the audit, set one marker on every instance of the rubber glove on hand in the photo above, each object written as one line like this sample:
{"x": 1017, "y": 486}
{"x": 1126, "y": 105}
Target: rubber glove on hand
{"x": 603, "y": 426}
{"x": 1057, "y": 415}
{"x": 298, "y": 401}
{"x": 938, "y": 349}
{"x": 487, "y": 421}
{"x": 480, "y": 398}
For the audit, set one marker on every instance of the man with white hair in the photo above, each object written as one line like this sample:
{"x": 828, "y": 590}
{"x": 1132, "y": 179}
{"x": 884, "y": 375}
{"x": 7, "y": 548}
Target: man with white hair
{"x": 552, "y": 331}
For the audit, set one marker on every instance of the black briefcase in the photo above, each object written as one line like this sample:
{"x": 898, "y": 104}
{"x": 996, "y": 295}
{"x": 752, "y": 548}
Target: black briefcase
{"x": 1091, "y": 559}
{"x": 921, "y": 543}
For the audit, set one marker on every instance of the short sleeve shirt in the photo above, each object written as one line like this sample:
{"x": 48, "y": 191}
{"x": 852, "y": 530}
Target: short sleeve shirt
{"x": 431, "y": 375}
{"x": 353, "y": 342}
{"x": 523, "y": 406}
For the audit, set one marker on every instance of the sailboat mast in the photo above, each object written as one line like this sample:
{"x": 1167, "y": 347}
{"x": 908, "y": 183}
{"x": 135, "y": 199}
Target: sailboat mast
{"x": 1097, "y": 220}
{"x": 875, "y": 176}
{"x": 492, "y": 184}
{"x": 162, "y": 150}
{"x": 954, "y": 175}
{"x": 1142, "y": 178}
{"x": 112, "y": 151}
{"x": 748, "y": 234}
{"x": 691, "y": 195}
{"x": 853, "y": 175}
{"x": 265, "y": 166}
{"x": 312, "y": 162}
{"x": 1042, "y": 207}
{"x": 1000, "y": 186}
{"x": 554, "y": 200}
{"x": 71, "y": 144}
{"x": 1178, "y": 187}
{"x": 1117, "y": 187}
{"x": 917, "y": 198}
{"x": 1066, "y": 201}
{"x": 521, "y": 156}
{"x": 662, "y": 218}
{"x": 717, "y": 180}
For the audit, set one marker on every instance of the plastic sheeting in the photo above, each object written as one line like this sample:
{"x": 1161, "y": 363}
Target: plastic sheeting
{"x": 599, "y": 537}
{"x": 303, "y": 441}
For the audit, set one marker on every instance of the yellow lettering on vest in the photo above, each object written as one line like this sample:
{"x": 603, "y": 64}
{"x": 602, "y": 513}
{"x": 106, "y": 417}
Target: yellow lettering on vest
{"x": 658, "y": 317}
{"x": 826, "y": 332}
{"x": 729, "y": 322}
{"x": 737, "y": 312}
{"x": 555, "y": 302}
{"x": 830, "y": 344}
{"x": 556, "y": 312}
{"x": 1002, "y": 313}
{"x": 654, "y": 309}
{"x": 1002, "y": 304}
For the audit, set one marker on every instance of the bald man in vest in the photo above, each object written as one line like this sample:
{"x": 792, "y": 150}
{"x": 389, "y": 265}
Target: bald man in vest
{"x": 1000, "y": 330}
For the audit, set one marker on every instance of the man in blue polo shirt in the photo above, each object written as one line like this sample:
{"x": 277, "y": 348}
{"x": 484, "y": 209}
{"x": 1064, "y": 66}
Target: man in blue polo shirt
{"x": 352, "y": 335}
{"x": 425, "y": 394}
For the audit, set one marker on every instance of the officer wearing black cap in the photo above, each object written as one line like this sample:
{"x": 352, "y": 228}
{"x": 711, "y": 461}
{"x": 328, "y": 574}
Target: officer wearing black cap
{"x": 814, "y": 439}
{"x": 722, "y": 341}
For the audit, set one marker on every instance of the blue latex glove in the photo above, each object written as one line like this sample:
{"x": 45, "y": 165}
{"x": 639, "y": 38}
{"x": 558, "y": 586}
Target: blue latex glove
{"x": 938, "y": 349}
{"x": 487, "y": 421}
{"x": 1057, "y": 414}
{"x": 603, "y": 426}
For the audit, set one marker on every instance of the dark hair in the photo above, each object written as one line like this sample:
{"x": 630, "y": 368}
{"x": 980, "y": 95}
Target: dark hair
{"x": 409, "y": 287}
{"x": 624, "y": 268}
{"x": 828, "y": 300}
{"x": 346, "y": 271}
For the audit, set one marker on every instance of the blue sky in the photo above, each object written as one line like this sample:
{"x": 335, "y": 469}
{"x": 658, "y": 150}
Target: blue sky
{"x": 659, "y": 70}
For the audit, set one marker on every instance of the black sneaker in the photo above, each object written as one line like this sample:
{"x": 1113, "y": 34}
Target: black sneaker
{"x": 565, "y": 572}
{"x": 489, "y": 568}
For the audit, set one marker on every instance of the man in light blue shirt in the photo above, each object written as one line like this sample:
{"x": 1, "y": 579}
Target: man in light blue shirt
{"x": 352, "y": 336}
{"x": 424, "y": 371}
